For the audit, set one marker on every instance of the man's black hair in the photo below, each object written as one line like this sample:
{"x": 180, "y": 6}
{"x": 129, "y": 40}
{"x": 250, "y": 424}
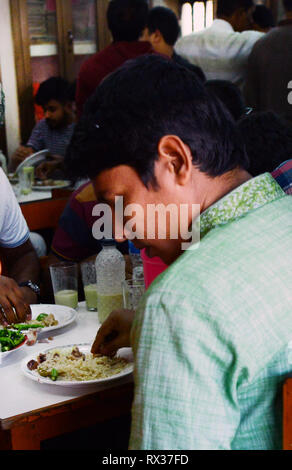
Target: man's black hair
{"x": 127, "y": 19}
{"x": 229, "y": 94}
{"x": 287, "y": 5}
{"x": 144, "y": 100}
{"x": 263, "y": 16}
{"x": 55, "y": 88}
{"x": 268, "y": 141}
{"x": 164, "y": 20}
{"x": 228, "y": 7}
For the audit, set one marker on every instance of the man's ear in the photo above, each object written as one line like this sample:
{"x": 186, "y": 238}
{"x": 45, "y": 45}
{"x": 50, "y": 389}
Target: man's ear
{"x": 177, "y": 157}
{"x": 156, "y": 36}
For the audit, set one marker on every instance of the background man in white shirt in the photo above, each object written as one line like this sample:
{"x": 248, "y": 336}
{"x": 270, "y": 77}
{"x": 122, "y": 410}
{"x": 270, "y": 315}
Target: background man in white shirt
{"x": 222, "y": 50}
{"x": 20, "y": 266}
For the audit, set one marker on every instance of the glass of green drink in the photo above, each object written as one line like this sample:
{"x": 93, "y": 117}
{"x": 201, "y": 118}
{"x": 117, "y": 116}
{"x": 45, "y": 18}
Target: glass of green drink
{"x": 26, "y": 179}
{"x": 64, "y": 278}
{"x": 89, "y": 284}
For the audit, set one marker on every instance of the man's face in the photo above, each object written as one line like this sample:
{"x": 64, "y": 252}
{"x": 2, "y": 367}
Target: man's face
{"x": 124, "y": 181}
{"x": 55, "y": 114}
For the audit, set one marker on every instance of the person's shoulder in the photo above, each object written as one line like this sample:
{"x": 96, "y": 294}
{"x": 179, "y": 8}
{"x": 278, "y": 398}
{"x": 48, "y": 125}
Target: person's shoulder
{"x": 41, "y": 127}
{"x": 84, "y": 194}
{"x": 4, "y": 183}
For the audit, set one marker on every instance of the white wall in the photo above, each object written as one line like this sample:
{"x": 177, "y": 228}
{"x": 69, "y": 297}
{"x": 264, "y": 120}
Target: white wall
{"x": 8, "y": 73}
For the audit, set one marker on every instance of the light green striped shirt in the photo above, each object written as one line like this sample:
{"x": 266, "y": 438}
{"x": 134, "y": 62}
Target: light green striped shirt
{"x": 210, "y": 337}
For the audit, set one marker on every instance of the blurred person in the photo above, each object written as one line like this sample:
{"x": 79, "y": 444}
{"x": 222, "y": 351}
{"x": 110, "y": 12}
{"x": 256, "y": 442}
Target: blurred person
{"x": 283, "y": 176}
{"x": 210, "y": 336}
{"x": 126, "y": 20}
{"x": 162, "y": 32}
{"x": 229, "y": 94}
{"x": 54, "y": 131}
{"x": 267, "y": 139}
{"x": 269, "y": 72}
{"x": 19, "y": 266}
{"x": 263, "y": 19}
{"x": 222, "y": 49}
{"x": 73, "y": 239}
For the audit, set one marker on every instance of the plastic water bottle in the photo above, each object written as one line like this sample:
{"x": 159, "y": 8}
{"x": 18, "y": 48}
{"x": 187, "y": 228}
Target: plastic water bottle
{"x": 110, "y": 275}
{"x": 137, "y": 263}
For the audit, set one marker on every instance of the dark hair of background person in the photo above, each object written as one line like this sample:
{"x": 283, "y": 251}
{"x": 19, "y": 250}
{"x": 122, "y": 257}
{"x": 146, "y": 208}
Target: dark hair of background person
{"x": 127, "y": 19}
{"x": 229, "y": 94}
{"x": 55, "y": 88}
{"x": 263, "y": 17}
{"x": 144, "y": 100}
{"x": 287, "y": 5}
{"x": 228, "y": 7}
{"x": 164, "y": 20}
{"x": 267, "y": 139}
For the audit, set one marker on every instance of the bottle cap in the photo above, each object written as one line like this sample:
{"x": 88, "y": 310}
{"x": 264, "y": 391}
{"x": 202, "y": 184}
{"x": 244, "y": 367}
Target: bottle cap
{"x": 108, "y": 242}
{"x": 132, "y": 249}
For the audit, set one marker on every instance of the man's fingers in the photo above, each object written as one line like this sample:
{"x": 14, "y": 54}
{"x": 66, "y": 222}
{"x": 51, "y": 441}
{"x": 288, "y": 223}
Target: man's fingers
{"x": 110, "y": 348}
{"x": 7, "y": 311}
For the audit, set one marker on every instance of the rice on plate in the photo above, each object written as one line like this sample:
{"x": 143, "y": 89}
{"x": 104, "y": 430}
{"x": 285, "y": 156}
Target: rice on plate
{"x": 70, "y": 364}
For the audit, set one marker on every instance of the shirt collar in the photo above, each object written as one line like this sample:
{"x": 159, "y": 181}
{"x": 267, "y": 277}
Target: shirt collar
{"x": 221, "y": 25}
{"x": 249, "y": 196}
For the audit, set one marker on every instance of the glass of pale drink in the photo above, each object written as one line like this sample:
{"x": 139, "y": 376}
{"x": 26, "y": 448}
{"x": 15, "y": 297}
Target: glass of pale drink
{"x": 26, "y": 179}
{"x": 133, "y": 290}
{"x": 65, "y": 283}
{"x": 89, "y": 284}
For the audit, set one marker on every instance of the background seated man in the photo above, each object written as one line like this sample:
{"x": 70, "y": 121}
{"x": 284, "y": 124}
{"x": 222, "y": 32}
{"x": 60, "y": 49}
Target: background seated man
{"x": 20, "y": 267}
{"x": 162, "y": 31}
{"x": 229, "y": 94}
{"x": 222, "y": 49}
{"x": 263, "y": 19}
{"x": 54, "y": 132}
{"x": 268, "y": 141}
{"x": 210, "y": 337}
{"x": 73, "y": 239}
{"x": 126, "y": 20}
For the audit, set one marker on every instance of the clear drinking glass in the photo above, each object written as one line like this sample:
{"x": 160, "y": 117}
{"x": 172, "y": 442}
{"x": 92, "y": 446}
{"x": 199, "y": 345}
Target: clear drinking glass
{"x": 132, "y": 293}
{"x": 88, "y": 272}
{"x": 26, "y": 179}
{"x": 65, "y": 283}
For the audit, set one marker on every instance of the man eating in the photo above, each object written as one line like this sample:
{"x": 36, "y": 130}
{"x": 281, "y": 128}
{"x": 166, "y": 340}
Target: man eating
{"x": 210, "y": 337}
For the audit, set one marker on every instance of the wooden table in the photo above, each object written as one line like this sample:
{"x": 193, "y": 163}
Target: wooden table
{"x": 31, "y": 412}
{"x": 42, "y": 210}
{"x": 287, "y": 415}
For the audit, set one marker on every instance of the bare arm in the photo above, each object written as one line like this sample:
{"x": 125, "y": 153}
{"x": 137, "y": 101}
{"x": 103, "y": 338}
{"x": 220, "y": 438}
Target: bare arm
{"x": 22, "y": 265}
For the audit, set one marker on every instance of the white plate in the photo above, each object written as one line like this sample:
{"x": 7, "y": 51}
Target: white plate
{"x": 6, "y": 353}
{"x": 65, "y": 184}
{"x": 33, "y": 160}
{"x": 125, "y": 353}
{"x": 64, "y": 315}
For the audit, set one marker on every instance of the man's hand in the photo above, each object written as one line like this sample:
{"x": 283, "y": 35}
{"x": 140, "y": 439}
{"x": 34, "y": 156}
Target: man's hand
{"x": 19, "y": 155}
{"x": 114, "y": 333}
{"x": 13, "y": 303}
{"x": 44, "y": 170}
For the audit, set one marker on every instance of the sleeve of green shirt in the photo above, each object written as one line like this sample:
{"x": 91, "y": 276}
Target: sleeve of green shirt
{"x": 183, "y": 364}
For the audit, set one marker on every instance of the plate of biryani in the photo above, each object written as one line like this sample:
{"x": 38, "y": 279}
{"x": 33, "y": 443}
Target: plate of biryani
{"x": 47, "y": 317}
{"x": 49, "y": 184}
{"x": 74, "y": 365}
